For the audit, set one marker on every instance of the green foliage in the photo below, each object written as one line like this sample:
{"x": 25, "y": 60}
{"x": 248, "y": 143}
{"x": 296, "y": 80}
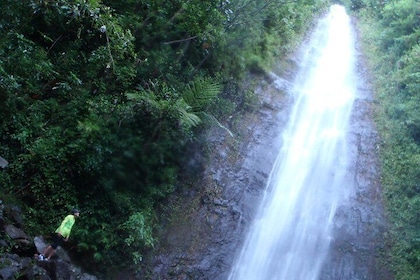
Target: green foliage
{"x": 140, "y": 232}
{"x": 197, "y": 96}
{"x": 100, "y": 100}
{"x": 391, "y": 32}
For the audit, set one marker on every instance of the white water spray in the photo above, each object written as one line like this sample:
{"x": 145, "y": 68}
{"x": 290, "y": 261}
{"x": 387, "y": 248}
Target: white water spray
{"x": 290, "y": 237}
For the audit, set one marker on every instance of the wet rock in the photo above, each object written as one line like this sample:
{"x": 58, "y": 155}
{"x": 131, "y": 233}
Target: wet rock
{"x": 360, "y": 225}
{"x": 211, "y": 224}
{"x": 279, "y": 83}
{"x": 62, "y": 255}
{"x": 64, "y": 270}
{"x": 9, "y": 266}
{"x": 1, "y": 215}
{"x": 37, "y": 272}
{"x": 3, "y": 244}
{"x": 40, "y": 244}
{"x": 8, "y": 273}
{"x": 209, "y": 232}
{"x": 23, "y": 263}
{"x": 15, "y": 213}
{"x": 3, "y": 163}
{"x": 15, "y": 233}
{"x": 86, "y": 276}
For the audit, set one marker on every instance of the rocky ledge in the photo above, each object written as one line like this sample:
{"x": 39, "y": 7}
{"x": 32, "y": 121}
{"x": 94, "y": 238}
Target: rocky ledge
{"x": 19, "y": 251}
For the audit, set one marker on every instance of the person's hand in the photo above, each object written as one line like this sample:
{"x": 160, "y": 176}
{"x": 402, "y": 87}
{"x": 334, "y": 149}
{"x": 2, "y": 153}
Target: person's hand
{"x": 66, "y": 239}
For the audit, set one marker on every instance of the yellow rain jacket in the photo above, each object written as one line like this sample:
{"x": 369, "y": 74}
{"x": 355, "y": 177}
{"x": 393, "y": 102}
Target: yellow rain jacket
{"x": 65, "y": 228}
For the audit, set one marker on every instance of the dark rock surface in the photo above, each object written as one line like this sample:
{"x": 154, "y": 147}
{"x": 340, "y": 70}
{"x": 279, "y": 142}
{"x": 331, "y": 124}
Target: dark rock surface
{"x": 202, "y": 237}
{"x": 206, "y": 220}
{"x": 210, "y": 218}
{"x": 18, "y": 259}
{"x": 358, "y": 248}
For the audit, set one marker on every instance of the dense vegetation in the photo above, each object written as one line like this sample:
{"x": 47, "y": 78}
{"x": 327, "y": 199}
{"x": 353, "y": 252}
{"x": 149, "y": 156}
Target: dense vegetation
{"x": 391, "y": 35}
{"x": 100, "y": 101}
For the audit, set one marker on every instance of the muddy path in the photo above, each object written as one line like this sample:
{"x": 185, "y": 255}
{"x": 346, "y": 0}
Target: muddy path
{"x": 206, "y": 221}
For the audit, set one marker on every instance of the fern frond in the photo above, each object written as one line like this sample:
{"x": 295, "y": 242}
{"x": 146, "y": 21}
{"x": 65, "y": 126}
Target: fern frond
{"x": 188, "y": 119}
{"x": 200, "y": 92}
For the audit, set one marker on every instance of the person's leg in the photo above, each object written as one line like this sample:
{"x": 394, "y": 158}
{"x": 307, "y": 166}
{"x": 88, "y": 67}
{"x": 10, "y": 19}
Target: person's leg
{"x": 47, "y": 250}
{"x": 51, "y": 252}
{"x": 58, "y": 240}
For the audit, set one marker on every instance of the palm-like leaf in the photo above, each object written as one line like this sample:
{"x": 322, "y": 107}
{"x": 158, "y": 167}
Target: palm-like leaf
{"x": 195, "y": 99}
{"x": 186, "y": 118}
{"x": 200, "y": 93}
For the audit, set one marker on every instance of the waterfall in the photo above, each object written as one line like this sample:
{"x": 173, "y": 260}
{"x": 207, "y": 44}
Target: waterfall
{"x": 291, "y": 234}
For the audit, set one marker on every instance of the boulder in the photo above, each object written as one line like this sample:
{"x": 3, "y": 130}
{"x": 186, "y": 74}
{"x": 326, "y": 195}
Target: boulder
{"x": 50, "y": 268}
{"x": 1, "y": 215}
{"x": 22, "y": 263}
{"x": 37, "y": 272}
{"x": 25, "y": 263}
{"x": 8, "y": 273}
{"x": 64, "y": 270}
{"x": 9, "y": 266}
{"x": 3, "y": 163}
{"x": 3, "y": 244}
{"x": 62, "y": 255}
{"x": 15, "y": 233}
{"x": 40, "y": 244}
{"x": 16, "y": 213}
{"x": 86, "y": 276}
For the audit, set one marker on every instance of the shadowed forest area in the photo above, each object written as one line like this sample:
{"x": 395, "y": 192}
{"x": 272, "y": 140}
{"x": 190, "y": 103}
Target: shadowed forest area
{"x": 101, "y": 102}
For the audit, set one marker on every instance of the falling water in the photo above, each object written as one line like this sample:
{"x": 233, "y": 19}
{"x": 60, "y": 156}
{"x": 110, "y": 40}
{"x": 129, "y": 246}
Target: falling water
{"x": 290, "y": 236}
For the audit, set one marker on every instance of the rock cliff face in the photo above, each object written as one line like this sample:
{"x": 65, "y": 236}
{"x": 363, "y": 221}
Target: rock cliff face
{"x": 358, "y": 249}
{"x": 210, "y": 217}
{"x": 20, "y": 261}
{"x": 204, "y": 224}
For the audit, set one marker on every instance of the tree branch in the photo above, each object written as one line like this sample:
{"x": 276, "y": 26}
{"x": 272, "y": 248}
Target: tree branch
{"x": 180, "y": 40}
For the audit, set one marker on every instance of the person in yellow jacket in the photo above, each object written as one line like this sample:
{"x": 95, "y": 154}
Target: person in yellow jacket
{"x": 61, "y": 234}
